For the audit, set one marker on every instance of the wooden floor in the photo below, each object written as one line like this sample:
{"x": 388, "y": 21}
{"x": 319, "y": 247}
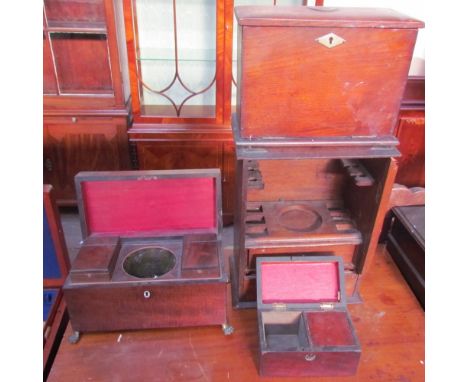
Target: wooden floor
{"x": 389, "y": 324}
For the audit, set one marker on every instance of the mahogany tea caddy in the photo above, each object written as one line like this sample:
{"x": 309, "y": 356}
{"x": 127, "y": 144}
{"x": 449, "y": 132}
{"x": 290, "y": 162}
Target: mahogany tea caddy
{"x": 304, "y": 325}
{"x": 151, "y": 255}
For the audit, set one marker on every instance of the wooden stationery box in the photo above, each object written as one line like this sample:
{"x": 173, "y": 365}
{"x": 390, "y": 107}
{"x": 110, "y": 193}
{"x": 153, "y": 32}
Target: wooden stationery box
{"x": 321, "y": 72}
{"x": 151, "y": 255}
{"x": 304, "y": 325}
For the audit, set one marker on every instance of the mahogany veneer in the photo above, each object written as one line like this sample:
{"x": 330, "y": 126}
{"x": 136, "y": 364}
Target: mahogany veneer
{"x": 321, "y": 72}
{"x": 304, "y": 325}
{"x": 151, "y": 256}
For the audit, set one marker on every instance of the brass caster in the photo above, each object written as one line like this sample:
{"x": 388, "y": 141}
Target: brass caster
{"x": 74, "y": 338}
{"x": 228, "y": 329}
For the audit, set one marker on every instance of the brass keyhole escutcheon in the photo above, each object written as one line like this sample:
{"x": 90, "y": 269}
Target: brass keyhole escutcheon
{"x": 330, "y": 40}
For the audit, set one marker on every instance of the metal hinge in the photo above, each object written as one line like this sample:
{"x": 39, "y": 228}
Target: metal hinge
{"x": 277, "y": 306}
{"x": 326, "y": 306}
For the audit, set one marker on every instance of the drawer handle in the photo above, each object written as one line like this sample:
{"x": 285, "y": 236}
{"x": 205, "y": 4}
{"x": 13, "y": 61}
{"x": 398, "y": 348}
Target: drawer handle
{"x": 310, "y": 357}
{"x": 74, "y": 119}
{"x": 146, "y": 294}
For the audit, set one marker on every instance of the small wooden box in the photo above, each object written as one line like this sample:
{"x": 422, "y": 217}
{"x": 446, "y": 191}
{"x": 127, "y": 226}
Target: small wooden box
{"x": 304, "y": 325}
{"x": 321, "y": 72}
{"x": 405, "y": 243}
{"x": 151, "y": 255}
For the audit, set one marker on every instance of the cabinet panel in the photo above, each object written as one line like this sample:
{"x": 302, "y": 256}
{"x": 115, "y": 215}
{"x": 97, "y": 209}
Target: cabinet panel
{"x": 411, "y": 134}
{"x": 82, "y": 62}
{"x": 70, "y": 148}
{"x": 179, "y": 155}
{"x": 74, "y": 11}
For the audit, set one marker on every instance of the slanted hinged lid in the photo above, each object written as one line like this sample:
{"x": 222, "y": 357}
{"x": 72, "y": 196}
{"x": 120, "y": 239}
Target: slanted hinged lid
{"x": 300, "y": 282}
{"x": 345, "y": 17}
{"x": 149, "y": 203}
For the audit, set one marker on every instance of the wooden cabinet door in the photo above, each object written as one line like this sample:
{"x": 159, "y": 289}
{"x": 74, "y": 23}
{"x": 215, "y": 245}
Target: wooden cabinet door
{"x": 69, "y": 149}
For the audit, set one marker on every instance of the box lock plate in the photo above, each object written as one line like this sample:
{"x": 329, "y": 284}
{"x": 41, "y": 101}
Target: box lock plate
{"x": 330, "y": 40}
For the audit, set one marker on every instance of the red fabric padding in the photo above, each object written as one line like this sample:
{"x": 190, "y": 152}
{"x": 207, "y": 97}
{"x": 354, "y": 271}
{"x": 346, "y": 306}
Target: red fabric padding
{"x": 299, "y": 282}
{"x": 126, "y": 207}
{"x": 330, "y": 329}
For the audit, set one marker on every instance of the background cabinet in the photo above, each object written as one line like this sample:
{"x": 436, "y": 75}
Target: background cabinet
{"x": 411, "y": 134}
{"x": 86, "y": 97}
{"x": 73, "y": 144}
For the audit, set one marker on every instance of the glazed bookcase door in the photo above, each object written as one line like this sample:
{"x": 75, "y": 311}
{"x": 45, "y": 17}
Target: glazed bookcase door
{"x": 175, "y": 53}
{"x": 80, "y": 54}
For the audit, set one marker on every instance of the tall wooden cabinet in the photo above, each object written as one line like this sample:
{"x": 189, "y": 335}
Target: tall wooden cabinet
{"x": 86, "y": 91}
{"x": 318, "y": 102}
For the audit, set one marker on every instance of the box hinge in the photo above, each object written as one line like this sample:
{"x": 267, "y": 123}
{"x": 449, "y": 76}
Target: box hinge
{"x": 326, "y": 306}
{"x": 278, "y": 306}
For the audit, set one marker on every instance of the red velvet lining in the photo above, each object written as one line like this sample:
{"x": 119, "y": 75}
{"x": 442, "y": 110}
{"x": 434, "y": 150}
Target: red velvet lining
{"x": 299, "y": 282}
{"x": 330, "y": 329}
{"x": 135, "y": 206}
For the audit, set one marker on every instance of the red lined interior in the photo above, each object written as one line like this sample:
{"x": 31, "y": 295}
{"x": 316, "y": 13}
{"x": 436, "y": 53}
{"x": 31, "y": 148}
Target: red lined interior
{"x": 330, "y": 329}
{"x": 299, "y": 282}
{"x": 124, "y": 207}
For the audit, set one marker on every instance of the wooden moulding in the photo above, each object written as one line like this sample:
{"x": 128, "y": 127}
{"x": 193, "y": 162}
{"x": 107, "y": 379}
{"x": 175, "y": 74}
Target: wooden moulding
{"x": 304, "y": 325}
{"x": 251, "y": 148}
{"x": 405, "y": 196}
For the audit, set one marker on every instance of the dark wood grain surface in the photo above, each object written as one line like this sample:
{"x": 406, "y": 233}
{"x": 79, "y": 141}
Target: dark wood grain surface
{"x": 292, "y": 86}
{"x": 390, "y": 327}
